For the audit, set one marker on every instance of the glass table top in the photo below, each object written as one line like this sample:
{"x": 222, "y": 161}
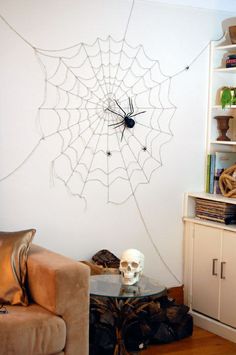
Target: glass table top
{"x": 111, "y": 286}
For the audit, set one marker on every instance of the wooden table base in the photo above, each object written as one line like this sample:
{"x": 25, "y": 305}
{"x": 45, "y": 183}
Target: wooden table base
{"x": 126, "y": 326}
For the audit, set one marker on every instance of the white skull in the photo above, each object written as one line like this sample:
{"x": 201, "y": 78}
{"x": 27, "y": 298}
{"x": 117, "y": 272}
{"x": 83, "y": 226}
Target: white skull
{"x": 131, "y": 266}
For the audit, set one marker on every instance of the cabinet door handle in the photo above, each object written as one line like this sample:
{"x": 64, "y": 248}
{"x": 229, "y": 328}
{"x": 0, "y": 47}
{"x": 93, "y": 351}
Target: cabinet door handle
{"x": 222, "y": 270}
{"x": 214, "y": 261}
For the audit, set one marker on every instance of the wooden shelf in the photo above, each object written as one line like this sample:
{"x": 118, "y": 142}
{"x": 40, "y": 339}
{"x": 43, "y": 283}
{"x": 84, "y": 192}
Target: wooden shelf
{"x": 190, "y": 209}
{"x": 219, "y": 107}
{"x": 226, "y": 47}
{"x": 205, "y": 222}
{"x": 224, "y": 142}
{"x": 213, "y": 197}
{"x": 225, "y": 70}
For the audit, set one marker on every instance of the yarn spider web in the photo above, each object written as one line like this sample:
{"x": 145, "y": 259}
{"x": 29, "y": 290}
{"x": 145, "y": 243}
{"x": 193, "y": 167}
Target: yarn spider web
{"x": 84, "y": 81}
{"x": 83, "y": 85}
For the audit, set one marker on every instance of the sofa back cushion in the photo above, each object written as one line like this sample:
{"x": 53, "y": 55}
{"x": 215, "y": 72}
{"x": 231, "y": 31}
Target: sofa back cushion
{"x": 14, "y": 247}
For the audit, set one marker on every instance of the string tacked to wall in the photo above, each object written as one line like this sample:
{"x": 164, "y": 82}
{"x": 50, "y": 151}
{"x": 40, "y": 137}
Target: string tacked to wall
{"x": 108, "y": 104}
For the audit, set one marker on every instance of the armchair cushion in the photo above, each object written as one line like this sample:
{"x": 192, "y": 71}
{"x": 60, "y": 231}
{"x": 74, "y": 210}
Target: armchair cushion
{"x": 61, "y": 285}
{"x": 14, "y": 248}
{"x": 31, "y": 330}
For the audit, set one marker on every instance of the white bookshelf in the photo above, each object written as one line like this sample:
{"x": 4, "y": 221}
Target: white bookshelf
{"x": 209, "y": 246}
{"x": 219, "y": 77}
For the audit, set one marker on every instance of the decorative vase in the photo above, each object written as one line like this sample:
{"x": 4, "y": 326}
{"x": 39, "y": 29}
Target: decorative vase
{"x": 223, "y": 126}
{"x": 232, "y": 34}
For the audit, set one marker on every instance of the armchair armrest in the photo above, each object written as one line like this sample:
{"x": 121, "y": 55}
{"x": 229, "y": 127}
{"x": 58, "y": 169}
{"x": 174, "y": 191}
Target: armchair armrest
{"x": 61, "y": 285}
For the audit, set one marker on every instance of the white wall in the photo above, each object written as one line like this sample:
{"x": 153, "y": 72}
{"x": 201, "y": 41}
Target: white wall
{"x": 226, "y": 5}
{"x": 174, "y": 35}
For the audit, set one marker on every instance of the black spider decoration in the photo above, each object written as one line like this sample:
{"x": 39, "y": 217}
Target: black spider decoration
{"x": 128, "y": 121}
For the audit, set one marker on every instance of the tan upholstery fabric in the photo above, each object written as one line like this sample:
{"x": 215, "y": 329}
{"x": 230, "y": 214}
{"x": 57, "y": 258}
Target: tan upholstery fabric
{"x": 14, "y": 248}
{"x": 31, "y": 330}
{"x": 61, "y": 285}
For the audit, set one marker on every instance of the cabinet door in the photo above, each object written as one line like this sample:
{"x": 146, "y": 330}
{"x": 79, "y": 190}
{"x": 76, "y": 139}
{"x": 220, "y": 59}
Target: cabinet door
{"x": 206, "y": 270}
{"x": 228, "y": 279}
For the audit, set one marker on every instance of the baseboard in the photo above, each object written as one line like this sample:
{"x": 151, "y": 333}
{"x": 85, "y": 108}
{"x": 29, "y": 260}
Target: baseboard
{"x": 213, "y": 326}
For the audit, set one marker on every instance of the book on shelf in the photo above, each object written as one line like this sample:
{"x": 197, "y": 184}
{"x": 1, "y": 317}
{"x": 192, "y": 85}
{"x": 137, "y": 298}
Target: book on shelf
{"x": 216, "y": 164}
{"x": 212, "y": 173}
{"x": 208, "y": 173}
{"x": 215, "y": 211}
{"x": 223, "y": 160}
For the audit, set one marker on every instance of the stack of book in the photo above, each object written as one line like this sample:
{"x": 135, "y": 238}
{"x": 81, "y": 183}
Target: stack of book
{"x": 216, "y": 211}
{"x": 216, "y": 164}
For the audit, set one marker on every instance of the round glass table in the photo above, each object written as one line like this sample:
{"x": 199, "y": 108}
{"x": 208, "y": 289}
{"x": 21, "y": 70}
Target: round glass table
{"x": 113, "y": 307}
{"x": 111, "y": 286}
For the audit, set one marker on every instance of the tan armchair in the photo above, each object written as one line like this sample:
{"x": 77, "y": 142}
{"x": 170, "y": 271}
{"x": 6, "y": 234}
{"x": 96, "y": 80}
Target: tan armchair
{"x": 56, "y": 321}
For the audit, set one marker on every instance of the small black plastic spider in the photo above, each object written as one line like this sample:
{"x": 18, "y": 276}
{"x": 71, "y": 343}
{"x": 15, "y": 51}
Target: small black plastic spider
{"x": 127, "y": 121}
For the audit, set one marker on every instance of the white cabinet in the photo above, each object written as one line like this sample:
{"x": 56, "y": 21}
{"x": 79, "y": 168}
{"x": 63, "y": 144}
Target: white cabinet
{"x": 206, "y": 262}
{"x": 228, "y": 279}
{"x": 210, "y": 275}
{"x": 214, "y": 273}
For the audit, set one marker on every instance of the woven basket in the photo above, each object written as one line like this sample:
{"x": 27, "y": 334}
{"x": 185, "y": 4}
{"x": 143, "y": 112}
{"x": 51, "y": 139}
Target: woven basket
{"x": 227, "y": 182}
